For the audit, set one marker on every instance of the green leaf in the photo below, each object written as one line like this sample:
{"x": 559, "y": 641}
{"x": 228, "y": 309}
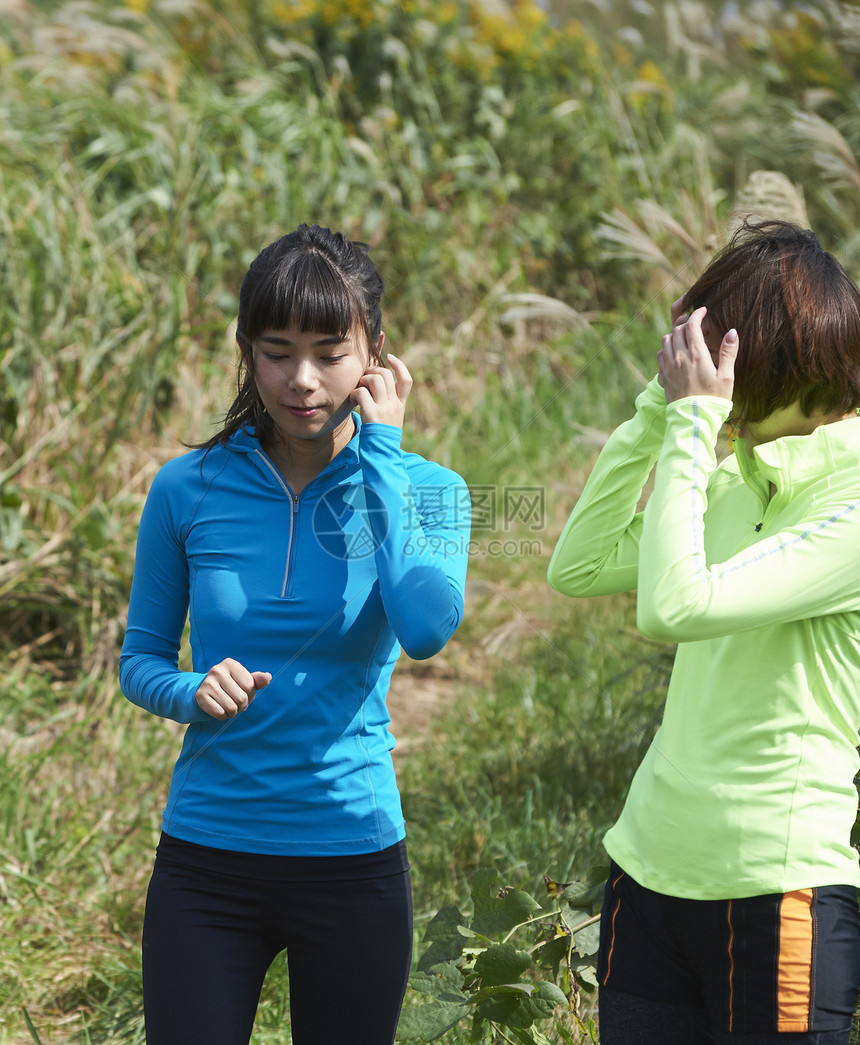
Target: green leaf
{"x": 501, "y": 963}
{"x": 444, "y": 923}
{"x": 503, "y": 990}
{"x": 512, "y": 908}
{"x": 587, "y": 940}
{"x": 514, "y": 1008}
{"x": 498, "y": 910}
{"x": 429, "y": 1022}
{"x": 445, "y": 930}
{"x": 573, "y": 917}
{"x": 554, "y": 951}
{"x": 485, "y": 889}
{"x": 445, "y": 981}
{"x": 531, "y": 1036}
{"x": 586, "y": 972}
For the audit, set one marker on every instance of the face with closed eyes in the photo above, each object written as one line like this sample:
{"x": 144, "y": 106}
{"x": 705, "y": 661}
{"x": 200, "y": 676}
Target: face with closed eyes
{"x": 305, "y": 378}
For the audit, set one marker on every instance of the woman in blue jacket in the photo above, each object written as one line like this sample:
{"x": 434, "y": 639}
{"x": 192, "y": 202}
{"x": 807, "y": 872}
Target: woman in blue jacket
{"x": 305, "y": 547}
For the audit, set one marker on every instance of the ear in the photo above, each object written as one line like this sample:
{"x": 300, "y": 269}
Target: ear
{"x": 376, "y": 354}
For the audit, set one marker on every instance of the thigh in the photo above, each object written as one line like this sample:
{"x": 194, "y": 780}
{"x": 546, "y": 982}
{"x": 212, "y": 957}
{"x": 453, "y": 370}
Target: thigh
{"x": 204, "y": 957}
{"x": 781, "y": 964}
{"x": 787, "y": 969}
{"x": 639, "y": 952}
{"x": 349, "y": 955}
{"x": 625, "y": 1019}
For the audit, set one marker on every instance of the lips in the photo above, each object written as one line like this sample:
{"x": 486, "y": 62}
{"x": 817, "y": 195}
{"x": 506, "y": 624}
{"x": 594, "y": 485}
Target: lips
{"x": 303, "y": 411}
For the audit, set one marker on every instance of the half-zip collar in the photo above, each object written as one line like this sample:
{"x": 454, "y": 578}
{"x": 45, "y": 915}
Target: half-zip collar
{"x": 793, "y": 463}
{"x": 245, "y": 441}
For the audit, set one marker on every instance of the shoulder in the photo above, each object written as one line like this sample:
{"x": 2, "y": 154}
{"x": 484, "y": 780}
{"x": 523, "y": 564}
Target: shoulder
{"x": 422, "y": 472}
{"x": 727, "y": 470}
{"x": 182, "y": 468}
{"x": 188, "y": 474}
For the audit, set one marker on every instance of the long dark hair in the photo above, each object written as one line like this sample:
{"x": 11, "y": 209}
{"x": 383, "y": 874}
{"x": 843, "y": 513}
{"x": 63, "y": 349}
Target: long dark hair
{"x": 797, "y": 314}
{"x": 313, "y": 279}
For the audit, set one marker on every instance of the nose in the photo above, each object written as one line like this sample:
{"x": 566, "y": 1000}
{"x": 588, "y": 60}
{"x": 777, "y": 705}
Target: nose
{"x": 303, "y": 378}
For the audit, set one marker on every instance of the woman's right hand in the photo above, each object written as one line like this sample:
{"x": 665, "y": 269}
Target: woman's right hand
{"x": 687, "y": 366}
{"x": 229, "y": 688}
{"x": 679, "y": 315}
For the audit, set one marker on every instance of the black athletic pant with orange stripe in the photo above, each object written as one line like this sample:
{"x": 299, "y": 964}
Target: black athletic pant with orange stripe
{"x": 781, "y": 969}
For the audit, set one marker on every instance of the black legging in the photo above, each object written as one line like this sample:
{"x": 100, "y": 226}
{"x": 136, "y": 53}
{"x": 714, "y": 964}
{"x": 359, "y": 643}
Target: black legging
{"x": 215, "y": 921}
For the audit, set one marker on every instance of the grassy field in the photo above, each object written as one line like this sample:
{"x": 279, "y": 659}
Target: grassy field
{"x": 537, "y": 184}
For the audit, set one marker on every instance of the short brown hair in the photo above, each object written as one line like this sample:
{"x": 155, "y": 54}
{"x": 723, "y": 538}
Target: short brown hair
{"x": 797, "y": 314}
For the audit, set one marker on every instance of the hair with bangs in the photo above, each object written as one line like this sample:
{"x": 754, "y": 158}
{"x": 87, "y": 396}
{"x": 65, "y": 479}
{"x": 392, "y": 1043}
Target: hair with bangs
{"x": 797, "y": 314}
{"x": 314, "y": 279}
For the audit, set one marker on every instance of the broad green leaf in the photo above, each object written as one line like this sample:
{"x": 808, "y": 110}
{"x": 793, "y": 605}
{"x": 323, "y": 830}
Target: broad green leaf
{"x": 448, "y": 940}
{"x": 585, "y": 972}
{"x": 445, "y": 981}
{"x": 439, "y": 953}
{"x": 501, "y": 963}
{"x": 512, "y": 908}
{"x": 532, "y": 1036}
{"x": 515, "y": 1009}
{"x": 494, "y": 912}
{"x": 443, "y": 925}
{"x": 429, "y": 1022}
{"x": 504, "y": 990}
{"x": 587, "y": 940}
{"x": 485, "y": 888}
{"x": 554, "y": 951}
{"x": 573, "y": 917}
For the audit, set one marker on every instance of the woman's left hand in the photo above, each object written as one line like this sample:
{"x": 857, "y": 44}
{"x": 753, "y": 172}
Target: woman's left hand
{"x": 686, "y": 365}
{"x": 381, "y": 393}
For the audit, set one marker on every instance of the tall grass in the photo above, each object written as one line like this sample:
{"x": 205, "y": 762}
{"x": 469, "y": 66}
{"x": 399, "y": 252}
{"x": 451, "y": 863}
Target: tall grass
{"x": 536, "y": 190}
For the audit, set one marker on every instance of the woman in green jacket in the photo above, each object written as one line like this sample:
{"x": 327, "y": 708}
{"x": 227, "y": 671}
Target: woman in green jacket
{"x": 731, "y": 909}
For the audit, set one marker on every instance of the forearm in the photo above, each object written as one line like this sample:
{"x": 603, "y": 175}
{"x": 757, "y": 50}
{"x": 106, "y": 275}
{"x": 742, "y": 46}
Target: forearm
{"x": 598, "y": 551}
{"x": 673, "y": 570}
{"x": 421, "y": 545}
{"x": 799, "y": 569}
{"x": 158, "y": 605}
{"x": 159, "y": 687}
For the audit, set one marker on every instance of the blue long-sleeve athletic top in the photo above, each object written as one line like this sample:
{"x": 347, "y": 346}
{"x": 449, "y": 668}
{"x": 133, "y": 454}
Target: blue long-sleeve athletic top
{"x": 321, "y": 590}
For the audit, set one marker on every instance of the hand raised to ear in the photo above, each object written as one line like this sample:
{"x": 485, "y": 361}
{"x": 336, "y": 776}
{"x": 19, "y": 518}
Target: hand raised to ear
{"x": 381, "y": 393}
{"x": 677, "y": 312}
{"x": 685, "y": 364}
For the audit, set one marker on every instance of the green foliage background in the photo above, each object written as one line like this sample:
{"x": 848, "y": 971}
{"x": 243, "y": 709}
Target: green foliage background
{"x": 537, "y": 184}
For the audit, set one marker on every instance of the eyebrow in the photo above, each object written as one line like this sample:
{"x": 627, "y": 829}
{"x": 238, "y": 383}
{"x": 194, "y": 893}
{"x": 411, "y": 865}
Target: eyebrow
{"x": 322, "y": 342}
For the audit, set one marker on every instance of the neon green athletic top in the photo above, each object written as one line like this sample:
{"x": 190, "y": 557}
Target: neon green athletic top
{"x": 748, "y": 785}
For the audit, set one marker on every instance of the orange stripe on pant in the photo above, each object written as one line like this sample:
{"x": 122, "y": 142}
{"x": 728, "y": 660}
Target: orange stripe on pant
{"x": 794, "y": 973}
{"x": 612, "y": 943}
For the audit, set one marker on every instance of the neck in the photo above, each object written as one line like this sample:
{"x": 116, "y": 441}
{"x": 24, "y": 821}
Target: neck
{"x": 788, "y": 420}
{"x": 301, "y": 460}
